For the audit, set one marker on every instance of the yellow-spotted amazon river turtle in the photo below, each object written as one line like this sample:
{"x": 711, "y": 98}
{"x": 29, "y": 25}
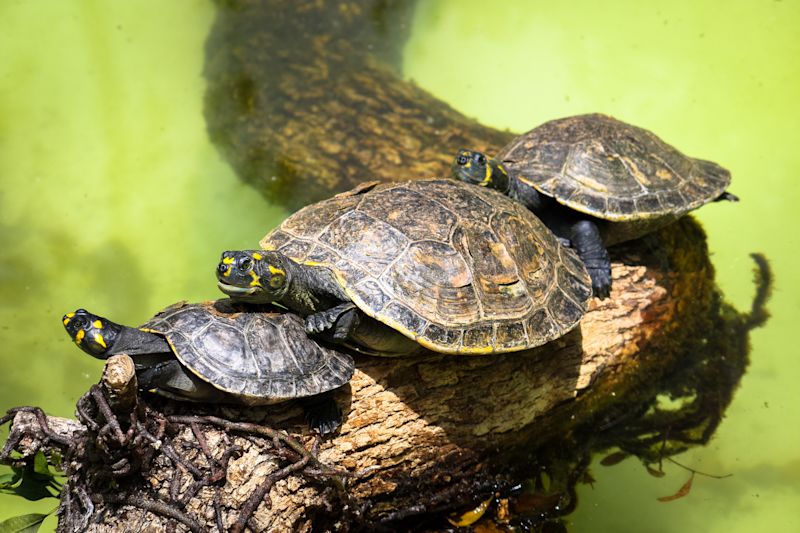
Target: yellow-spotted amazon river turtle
{"x": 214, "y": 352}
{"x": 389, "y": 267}
{"x": 597, "y": 181}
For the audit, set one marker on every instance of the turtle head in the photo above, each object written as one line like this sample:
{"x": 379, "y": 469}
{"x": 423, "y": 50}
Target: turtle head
{"x": 474, "y": 167}
{"x": 93, "y": 334}
{"x": 253, "y": 276}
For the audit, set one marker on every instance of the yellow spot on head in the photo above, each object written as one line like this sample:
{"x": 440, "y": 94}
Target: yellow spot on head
{"x": 67, "y": 318}
{"x": 227, "y": 272}
{"x": 488, "y": 178}
{"x": 100, "y": 340}
{"x": 257, "y": 256}
{"x": 71, "y": 314}
{"x": 97, "y": 324}
{"x": 278, "y": 277}
{"x": 468, "y": 165}
{"x": 256, "y": 280}
{"x": 275, "y": 271}
{"x": 79, "y": 336}
{"x": 227, "y": 260}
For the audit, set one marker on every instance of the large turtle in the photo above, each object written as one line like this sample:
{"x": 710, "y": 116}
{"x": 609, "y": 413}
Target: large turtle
{"x": 214, "y": 352}
{"x": 457, "y": 268}
{"x": 597, "y": 181}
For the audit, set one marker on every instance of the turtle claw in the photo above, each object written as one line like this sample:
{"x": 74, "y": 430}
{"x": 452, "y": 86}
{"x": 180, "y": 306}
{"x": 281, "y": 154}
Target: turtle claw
{"x": 601, "y": 282}
{"x": 318, "y": 322}
{"x": 327, "y": 319}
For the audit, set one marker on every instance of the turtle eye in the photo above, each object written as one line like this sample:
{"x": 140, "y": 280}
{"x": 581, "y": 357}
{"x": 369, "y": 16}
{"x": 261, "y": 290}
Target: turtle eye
{"x": 80, "y": 321}
{"x": 480, "y": 159}
{"x": 246, "y": 264}
{"x": 462, "y": 159}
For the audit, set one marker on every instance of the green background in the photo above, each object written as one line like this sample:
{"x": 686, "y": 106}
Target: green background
{"x": 113, "y": 199}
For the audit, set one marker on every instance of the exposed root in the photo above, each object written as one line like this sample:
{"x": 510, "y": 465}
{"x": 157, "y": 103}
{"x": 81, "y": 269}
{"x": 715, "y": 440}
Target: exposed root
{"x": 764, "y": 281}
{"x": 105, "y": 462}
{"x": 154, "y": 506}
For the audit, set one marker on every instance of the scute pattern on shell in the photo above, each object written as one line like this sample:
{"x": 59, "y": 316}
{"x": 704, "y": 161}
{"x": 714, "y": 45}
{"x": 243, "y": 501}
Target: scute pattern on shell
{"x": 601, "y": 166}
{"x": 459, "y": 268}
{"x": 261, "y": 357}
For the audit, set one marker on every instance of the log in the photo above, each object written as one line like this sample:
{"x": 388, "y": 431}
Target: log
{"x": 429, "y": 434}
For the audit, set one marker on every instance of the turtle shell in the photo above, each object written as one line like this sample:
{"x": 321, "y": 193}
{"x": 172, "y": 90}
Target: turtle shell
{"x": 263, "y": 357}
{"x": 459, "y": 268}
{"x": 600, "y": 166}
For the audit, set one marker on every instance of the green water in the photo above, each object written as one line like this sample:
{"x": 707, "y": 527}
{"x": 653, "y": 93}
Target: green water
{"x": 113, "y": 199}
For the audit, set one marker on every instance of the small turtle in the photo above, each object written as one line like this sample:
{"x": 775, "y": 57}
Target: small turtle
{"x": 596, "y": 181}
{"x": 215, "y": 353}
{"x": 452, "y": 267}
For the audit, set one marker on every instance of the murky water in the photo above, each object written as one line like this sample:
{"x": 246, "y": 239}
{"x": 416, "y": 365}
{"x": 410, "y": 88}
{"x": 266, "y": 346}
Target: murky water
{"x": 113, "y": 198}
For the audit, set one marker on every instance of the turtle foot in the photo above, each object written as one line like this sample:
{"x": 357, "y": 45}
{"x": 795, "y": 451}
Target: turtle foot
{"x": 601, "y": 282}
{"x": 325, "y": 320}
{"x": 319, "y": 322}
{"x": 323, "y": 414}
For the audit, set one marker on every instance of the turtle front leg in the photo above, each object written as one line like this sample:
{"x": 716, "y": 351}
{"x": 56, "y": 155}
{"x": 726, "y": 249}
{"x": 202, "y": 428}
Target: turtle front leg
{"x": 346, "y": 323}
{"x": 345, "y": 313}
{"x": 585, "y": 238}
{"x": 171, "y": 379}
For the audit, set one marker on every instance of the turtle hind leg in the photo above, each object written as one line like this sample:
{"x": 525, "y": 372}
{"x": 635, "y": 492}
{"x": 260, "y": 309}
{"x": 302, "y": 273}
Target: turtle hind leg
{"x": 726, "y": 196}
{"x": 322, "y": 413}
{"x": 585, "y": 238}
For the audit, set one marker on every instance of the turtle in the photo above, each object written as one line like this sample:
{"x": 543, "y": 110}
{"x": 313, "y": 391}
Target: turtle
{"x": 597, "y": 181}
{"x": 220, "y": 352}
{"x": 390, "y": 268}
